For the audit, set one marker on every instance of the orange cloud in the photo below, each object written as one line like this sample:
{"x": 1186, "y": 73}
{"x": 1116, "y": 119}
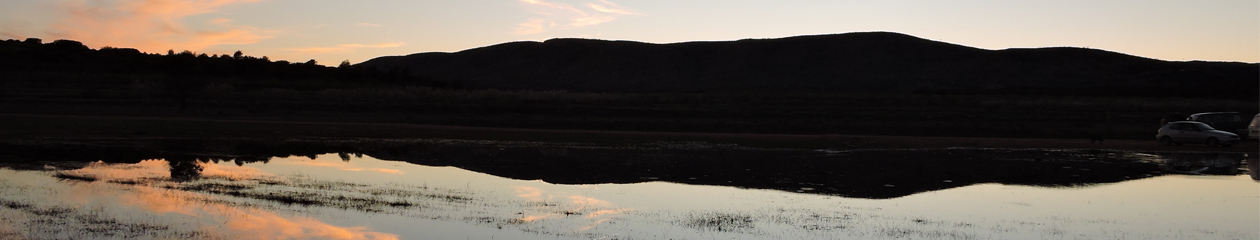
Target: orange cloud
{"x": 534, "y": 25}
{"x": 587, "y": 21}
{"x": 613, "y": 8}
{"x": 553, "y": 12}
{"x": 343, "y": 48}
{"x": 151, "y": 25}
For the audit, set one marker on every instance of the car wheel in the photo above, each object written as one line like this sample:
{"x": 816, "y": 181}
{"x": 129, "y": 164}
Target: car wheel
{"x": 1166, "y": 141}
{"x": 1212, "y": 142}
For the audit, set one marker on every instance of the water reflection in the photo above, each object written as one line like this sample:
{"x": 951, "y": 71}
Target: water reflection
{"x": 139, "y": 200}
{"x": 877, "y": 174}
{"x": 1202, "y": 163}
{"x": 334, "y": 196}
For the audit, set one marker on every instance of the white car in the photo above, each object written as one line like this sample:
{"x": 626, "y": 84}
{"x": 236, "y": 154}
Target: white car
{"x": 1194, "y": 132}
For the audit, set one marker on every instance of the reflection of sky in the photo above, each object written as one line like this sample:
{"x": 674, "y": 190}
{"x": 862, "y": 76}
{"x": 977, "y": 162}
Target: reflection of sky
{"x": 1167, "y": 207}
{"x": 1170, "y": 202}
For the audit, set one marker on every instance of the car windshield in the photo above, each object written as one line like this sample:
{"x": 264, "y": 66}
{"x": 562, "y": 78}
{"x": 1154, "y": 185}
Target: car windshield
{"x": 1220, "y": 118}
{"x": 1202, "y": 126}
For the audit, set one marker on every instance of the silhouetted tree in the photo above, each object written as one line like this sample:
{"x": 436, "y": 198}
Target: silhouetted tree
{"x": 69, "y": 45}
{"x": 237, "y": 55}
{"x": 345, "y": 64}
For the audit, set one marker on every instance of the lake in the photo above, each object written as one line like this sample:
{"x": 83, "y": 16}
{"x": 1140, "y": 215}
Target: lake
{"x": 458, "y": 189}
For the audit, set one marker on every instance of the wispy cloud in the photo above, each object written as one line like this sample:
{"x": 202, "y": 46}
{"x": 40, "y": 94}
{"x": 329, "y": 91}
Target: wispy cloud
{"x": 557, "y": 14}
{"x": 534, "y": 25}
{"x": 613, "y": 8}
{"x": 342, "y": 48}
{"x": 152, "y": 25}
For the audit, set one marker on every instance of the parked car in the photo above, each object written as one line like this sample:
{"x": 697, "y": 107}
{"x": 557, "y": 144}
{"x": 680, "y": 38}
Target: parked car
{"x": 1224, "y": 121}
{"x": 1177, "y": 133}
{"x": 1253, "y": 130}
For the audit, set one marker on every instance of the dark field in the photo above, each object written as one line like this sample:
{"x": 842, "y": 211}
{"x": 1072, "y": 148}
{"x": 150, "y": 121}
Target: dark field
{"x": 1002, "y": 116}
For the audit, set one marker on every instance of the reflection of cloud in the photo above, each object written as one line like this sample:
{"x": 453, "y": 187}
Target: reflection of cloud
{"x": 344, "y": 167}
{"x": 230, "y": 172}
{"x": 244, "y": 222}
{"x": 553, "y": 12}
{"x": 380, "y": 170}
{"x": 343, "y": 48}
{"x": 268, "y": 225}
{"x": 529, "y": 193}
{"x": 146, "y": 169}
{"x": 151, "y": 25}
{"x": 159, "y": 169}
{"x": 170, "y": 210}
{"x": 585, "y": 201}
{"x": 604, "y": 212}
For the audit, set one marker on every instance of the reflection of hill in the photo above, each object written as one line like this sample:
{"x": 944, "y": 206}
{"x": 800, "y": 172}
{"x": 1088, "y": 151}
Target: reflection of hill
{"x": 860, "y": 174}
{"x": 861, "y": 62}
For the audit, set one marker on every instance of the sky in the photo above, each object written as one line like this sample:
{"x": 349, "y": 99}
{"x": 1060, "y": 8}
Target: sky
{"x": 331, "y": 31}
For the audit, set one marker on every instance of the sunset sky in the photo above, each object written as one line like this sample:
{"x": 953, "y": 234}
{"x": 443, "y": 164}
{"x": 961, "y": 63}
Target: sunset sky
{"x": 330, "y": 31}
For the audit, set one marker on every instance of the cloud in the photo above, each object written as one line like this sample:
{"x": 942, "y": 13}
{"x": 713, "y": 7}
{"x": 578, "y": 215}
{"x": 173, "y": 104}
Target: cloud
{"x": 151, "y": 25}
{"x": 587, "y": 21}
{"x": 369, "y": 25}
{"x": 551, "y": 13}
{"x": 342, "y": 48}
{"x": 534, "y": 25}
{"x": 614, "y": 8}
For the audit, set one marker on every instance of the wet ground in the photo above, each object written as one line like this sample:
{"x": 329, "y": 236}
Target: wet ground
{"x": 457, "y": 189}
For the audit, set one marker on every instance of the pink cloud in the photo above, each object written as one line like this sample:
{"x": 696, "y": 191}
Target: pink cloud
{"x": 552, "y": 12}
{"x": 151, "y": 25}
{"x": 342, "y": 48}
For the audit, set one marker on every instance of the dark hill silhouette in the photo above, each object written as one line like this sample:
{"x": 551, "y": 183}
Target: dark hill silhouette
{"x": 860, "y": 62}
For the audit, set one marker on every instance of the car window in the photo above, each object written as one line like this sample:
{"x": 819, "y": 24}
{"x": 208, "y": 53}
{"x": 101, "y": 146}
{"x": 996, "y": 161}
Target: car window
{"x": 1178, "y": 126}
{"x": 1202, "y": 127}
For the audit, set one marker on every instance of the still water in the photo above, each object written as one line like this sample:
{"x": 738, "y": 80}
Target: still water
{"x": 358, "y": 196}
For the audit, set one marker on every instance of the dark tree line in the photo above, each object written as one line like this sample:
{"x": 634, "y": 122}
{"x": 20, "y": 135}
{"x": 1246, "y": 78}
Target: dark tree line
{"x": 185, "y": 71}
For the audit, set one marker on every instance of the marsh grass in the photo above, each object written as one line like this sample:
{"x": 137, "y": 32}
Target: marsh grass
{"x": 721, "y": 222}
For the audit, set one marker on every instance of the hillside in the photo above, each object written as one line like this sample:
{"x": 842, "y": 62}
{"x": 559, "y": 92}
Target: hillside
{"x": 851, "y": 62}
{"x": 867, "y": 84}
